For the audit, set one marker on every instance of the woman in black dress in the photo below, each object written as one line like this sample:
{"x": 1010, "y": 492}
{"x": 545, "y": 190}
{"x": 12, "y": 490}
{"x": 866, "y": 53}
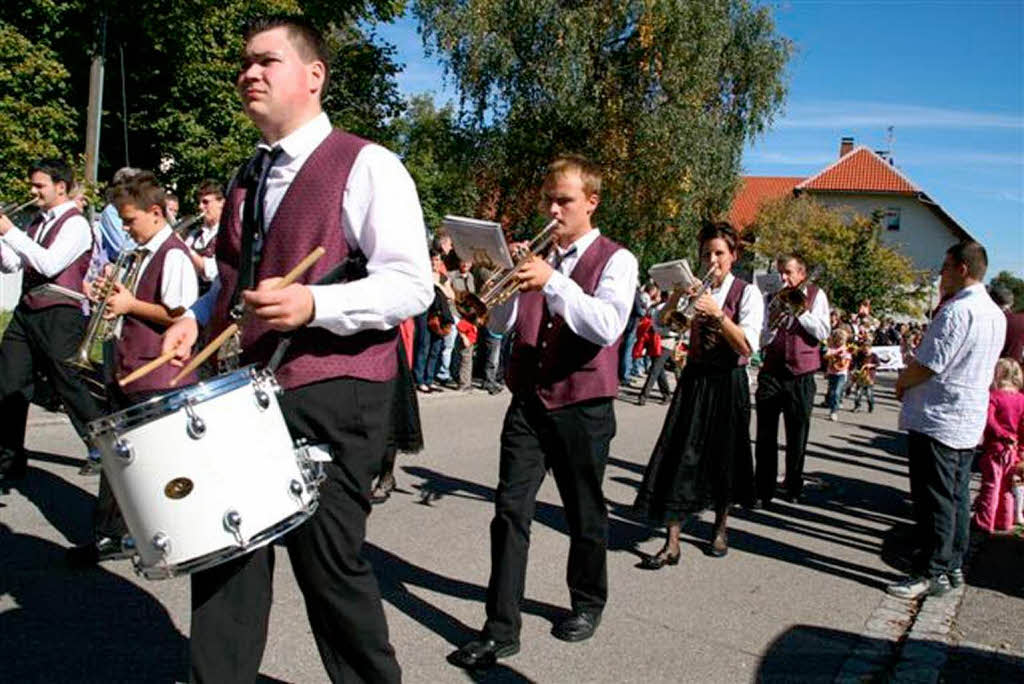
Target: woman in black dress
{"x": 703, "y": 458}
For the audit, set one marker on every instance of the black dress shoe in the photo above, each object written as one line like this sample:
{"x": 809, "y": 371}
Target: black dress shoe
{"x": 382, "y": 492}
{"x": 580, "y": 626}
{"x": 482, "y": 653}
{"x": 659, "y": 560}
{"x": 104, "y": 549}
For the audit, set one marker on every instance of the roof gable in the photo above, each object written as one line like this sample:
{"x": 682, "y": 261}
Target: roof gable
{"x": 860, "y": 171}
{"x": 755, "y": 191}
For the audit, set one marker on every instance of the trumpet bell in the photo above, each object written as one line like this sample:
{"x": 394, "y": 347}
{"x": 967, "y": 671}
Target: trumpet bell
{"x": 470, "y": 306}
{"x": 80, "y": 359}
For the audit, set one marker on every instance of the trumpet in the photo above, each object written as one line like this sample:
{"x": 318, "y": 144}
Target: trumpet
{"x": 500, "y": 287}
{"x": 13, "y": 208}
{"x": 787, "y": 304}
{"x": 680, "y": 316}
{"x": 126, "y": 271}
{"x": 181, "y": 227}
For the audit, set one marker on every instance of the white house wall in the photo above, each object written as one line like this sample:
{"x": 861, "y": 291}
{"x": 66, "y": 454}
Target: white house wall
{"x": 922, "y": 236}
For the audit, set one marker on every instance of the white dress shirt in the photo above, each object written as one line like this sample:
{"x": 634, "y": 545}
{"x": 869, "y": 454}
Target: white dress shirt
{"x": 178, "y": 285}
{"x": 600, "y": 318}
{"x": 18, "y": 250}
{"x": 381, "y": 217}
{"x": 961, "y": 347}
{"x": 751, "y": 309}
{"x": 200, "y": 241}
{"x": 816, "y": 320}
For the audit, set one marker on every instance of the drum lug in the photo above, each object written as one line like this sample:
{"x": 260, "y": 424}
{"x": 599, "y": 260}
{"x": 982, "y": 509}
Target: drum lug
{"x": 233, "y": 524}
{"x": 196, "y": 426}
{"x": 262, "y": 399}
{"x": 124, "y": 450}
{"x": 128, "y": 544}
{"x": 161, "y": 542}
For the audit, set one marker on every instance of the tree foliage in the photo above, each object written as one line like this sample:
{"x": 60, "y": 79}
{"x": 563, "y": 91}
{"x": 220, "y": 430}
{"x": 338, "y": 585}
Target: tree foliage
{"x": 844, "y": 251}
{"x": 180, "y": 61}
{"x": 662, "y": 93}
{"x": 1014, "y": 285}
{"x": 36, "y": 119}
{"x": 438, "y": 154}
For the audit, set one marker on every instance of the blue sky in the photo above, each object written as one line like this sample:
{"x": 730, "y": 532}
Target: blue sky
{"x": 948, "y": 76}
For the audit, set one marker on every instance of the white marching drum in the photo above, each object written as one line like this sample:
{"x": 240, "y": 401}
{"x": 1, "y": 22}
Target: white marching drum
{"x": 207, "y": 474}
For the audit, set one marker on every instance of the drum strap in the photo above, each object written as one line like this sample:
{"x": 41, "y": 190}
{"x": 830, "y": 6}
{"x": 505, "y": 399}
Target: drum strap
{"x": 352, "y": 268}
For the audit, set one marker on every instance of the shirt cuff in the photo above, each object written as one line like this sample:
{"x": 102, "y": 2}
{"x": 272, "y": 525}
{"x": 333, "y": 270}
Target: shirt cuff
{"x": 325, "y": 304}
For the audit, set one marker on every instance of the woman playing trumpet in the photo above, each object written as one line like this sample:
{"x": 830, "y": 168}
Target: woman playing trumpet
{"x": 703, "y": 457}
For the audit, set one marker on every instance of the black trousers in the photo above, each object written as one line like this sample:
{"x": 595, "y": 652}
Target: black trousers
{"x": 573, "y": 442}
{"x": 231, "y": 602}
{"x": 45, "y": 337}
{"x": 657, "y": 374}
{"x": 792, "y": 397}
{"x": 940, "y": 478}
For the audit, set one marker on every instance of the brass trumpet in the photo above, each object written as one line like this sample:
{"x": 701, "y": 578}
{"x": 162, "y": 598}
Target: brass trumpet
{"x": 500, "y": 287}
{"x": 126, "y": 271}
{"x": 181, "y": 227}
{"x": 12, "y": 208}
{"x": 680, "y": 316}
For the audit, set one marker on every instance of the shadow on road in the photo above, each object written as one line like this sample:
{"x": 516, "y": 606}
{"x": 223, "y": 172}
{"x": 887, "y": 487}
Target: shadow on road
{"x": 622, "y": 534}
{"x": 817, "y": 654}
{"x": 89, "y": 625}
{"x": 66, "y": 507}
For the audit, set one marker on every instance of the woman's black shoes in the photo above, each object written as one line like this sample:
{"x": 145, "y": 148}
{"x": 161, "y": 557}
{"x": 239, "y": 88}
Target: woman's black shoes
{"x": 659, "y": 560}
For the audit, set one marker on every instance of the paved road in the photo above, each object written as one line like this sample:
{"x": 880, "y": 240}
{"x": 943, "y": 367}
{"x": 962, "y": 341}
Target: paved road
{"x": 790, "y": 601}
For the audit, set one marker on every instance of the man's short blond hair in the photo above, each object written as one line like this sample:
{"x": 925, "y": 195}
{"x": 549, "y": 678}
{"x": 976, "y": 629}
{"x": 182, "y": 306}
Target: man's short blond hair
{"x": 590, "y": 173}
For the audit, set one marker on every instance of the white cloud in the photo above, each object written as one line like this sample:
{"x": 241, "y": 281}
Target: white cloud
{"x": 853, "y": 114}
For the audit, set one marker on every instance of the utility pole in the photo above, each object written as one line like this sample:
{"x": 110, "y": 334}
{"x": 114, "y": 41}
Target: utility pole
{"x": 94, "y": 115}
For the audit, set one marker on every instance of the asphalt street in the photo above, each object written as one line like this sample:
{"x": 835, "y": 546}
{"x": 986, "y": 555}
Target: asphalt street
{"x": 791, "y": 601}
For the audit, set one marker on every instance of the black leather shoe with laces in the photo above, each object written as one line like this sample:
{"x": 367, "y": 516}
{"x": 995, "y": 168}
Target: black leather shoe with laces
{"x": 659, "y": 560}
{"x": 579, "y": 627}
{"x": 482, "y": 653}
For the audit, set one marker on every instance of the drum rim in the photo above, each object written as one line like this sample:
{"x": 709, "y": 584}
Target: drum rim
{"x": 156, "y": 407}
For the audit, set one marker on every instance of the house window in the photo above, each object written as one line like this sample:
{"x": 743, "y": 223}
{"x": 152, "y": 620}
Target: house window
{"x": 892, "y": 218}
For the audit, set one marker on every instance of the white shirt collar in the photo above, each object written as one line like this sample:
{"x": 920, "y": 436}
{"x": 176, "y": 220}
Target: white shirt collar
{"x": 581, "y": 243}
{"x": 305, "y": 138}
{"x": 58, "y": 211}
{"x": 161, "y": 236}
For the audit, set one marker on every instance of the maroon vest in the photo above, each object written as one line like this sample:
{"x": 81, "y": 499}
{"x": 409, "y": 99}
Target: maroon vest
{"x": 309, "y": 216}
{"x": 71, "y": 277}
{"x": 550, "y": 360}
{"x": 719, "y": 352}
{"x": 210, "y": 248}
{"x": 141, "y": 340}
{"x": 794, "y": 349}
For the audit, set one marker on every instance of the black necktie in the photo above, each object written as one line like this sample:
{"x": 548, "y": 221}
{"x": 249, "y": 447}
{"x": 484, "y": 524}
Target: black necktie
{"x": 253, "y": 222}
{"x": 562, "y": 256}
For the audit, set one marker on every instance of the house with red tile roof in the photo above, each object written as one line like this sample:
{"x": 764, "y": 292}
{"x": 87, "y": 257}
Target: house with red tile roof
{"x": 863, "y": 181}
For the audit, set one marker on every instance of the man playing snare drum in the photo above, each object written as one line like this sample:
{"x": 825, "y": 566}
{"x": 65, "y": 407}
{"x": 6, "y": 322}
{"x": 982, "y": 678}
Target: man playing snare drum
{"x": 311, "y": 185}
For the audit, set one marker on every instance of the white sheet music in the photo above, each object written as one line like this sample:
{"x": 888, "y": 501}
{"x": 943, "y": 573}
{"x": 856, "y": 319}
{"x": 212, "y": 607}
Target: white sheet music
{"x": 482, "y": 242}
{"x": 669, "y": 275}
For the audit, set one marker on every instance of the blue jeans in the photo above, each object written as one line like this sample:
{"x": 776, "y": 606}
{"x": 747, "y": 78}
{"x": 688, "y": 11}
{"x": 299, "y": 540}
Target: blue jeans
{"x": 626, "y": 353}
{"x": 421, "y": 349}
{"x": 861, "y": 390}
{"x": 444, "y": 368}
{"x": 834, "y": 396}
{"x": 433, "y": 360}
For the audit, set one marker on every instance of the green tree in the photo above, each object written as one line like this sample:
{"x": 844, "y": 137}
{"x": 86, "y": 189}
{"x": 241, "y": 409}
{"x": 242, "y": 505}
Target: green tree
{"x": 438, "y": 154}
{"x": 1014, "y": 285}
{"x": 662, "y": 93}
{"x": 36, "y": 119}
{"x": 847, "y": 256}
{"x": 180, "y": 62}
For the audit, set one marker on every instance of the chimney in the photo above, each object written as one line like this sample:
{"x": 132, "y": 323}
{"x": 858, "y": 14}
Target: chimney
{"x": 845, "y": 147}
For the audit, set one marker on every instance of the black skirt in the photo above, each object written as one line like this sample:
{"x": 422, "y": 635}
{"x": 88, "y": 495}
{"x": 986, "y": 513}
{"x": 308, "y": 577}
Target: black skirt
{"x": 703, "y": 455}
{"x": 406, "y": 434}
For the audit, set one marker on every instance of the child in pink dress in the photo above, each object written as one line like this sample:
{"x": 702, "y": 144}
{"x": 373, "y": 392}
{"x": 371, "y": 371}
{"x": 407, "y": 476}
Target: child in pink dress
{"x": 994, "y": 507}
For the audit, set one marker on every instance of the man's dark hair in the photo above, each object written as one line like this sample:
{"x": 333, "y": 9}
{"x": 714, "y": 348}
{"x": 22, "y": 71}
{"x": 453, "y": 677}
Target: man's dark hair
{"x": 972, "y": 255}
{"x": 210, "y": 187}
{"x": 1001, "y": 295}
{"x": 140, "y": 191}
{"x": 58, "y": 171}
{"x": 304, "y": 36}
{"x": 710, "y": 230}
{"x": 784, "y": 259}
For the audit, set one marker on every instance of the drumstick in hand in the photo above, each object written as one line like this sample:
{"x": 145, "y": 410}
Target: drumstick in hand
{"x": 216, "y": 344}
{"x": 143, "y": 371}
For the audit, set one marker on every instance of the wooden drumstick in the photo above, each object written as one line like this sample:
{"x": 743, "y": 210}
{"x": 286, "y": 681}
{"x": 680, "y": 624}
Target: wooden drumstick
{"x": 143, "y": 371}
{"x": 219, "y": 341}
